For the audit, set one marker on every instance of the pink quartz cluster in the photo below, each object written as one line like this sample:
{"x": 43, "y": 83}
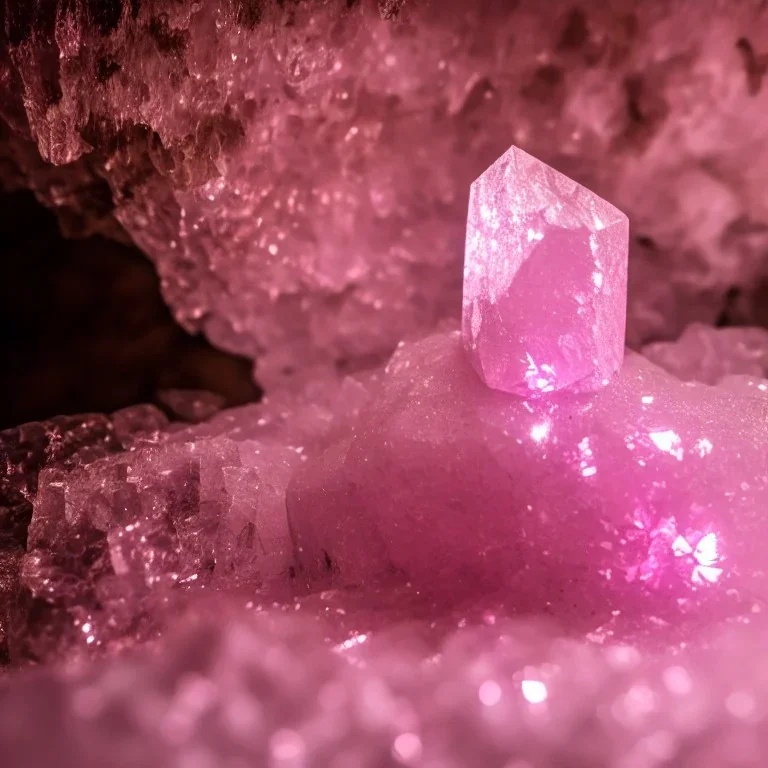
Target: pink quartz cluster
{"x": 405, "y": 565}
{"x": 299, "y": 172}
{"x": 545, "y": 280}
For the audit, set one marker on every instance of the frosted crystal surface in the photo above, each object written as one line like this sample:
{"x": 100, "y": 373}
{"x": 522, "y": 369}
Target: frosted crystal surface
{"x": 576, "y": 504}
{"x": 299, "y": 175}
{"x": 545, "y": 280}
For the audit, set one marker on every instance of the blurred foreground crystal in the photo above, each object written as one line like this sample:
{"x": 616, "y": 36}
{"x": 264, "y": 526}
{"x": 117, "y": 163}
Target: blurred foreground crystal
{"x": 545, "y": 280}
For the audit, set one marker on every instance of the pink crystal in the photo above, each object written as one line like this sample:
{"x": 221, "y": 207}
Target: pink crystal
{"x": 545, "y": 280}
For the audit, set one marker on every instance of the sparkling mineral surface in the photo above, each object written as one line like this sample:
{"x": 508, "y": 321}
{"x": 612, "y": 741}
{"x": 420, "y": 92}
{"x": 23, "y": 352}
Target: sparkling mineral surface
{"x": 545, "y": 280}
{"x": 405, "y": 567}
{"x": 299, "y": 171}
{"x": 386, "y": 562}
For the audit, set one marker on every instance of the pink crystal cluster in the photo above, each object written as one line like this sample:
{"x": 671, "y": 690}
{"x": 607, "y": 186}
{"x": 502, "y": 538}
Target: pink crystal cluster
{"x": 401, "y": 516}
{"x": 290, "y": 167}
{"x": 512, "y": 545}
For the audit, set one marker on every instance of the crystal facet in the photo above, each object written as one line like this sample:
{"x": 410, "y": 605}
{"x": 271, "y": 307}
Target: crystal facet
{"x": 545, "y": 280}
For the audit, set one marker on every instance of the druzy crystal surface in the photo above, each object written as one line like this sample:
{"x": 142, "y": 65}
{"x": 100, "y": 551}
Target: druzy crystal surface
{"x": 545, "y": 280}
{"x": 299, "y": 172}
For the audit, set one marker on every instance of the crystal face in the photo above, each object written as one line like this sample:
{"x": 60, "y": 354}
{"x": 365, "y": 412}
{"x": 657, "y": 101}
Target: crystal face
{"x": 545, "y": 280}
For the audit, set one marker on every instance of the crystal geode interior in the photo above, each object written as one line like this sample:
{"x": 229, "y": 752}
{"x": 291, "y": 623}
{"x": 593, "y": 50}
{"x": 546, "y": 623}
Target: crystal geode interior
{"x": 513, "y": 544}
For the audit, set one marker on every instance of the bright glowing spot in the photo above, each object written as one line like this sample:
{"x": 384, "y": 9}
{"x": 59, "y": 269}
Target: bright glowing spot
{"x": 646, "y": 399}
{"x": 681, "y": 547}
{"x": 489, "y": 693}
{"x": 539, "y": 432}
{"x": 587, "y": 468}
{"x": 669, "y": 442}
{"x": 704, "y": 446}
{"x": 706, "y": 550}
{"x": 351, "y": 642}
{"x": 706, "y": 554}
{"x": 534, "y": 691}
{"x": 597, "y": 279}
{"x": 534, "y": 235}
{"x": 406, "y": 748}
{"x": 702, "y": 573}
{"x": 535, "y": 379}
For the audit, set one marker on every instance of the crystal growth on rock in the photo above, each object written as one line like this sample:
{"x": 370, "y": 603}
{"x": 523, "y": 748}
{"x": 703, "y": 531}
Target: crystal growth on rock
{"x": 643, "y": 498}
{"x": 294, "y": 165}
{"x": 361, "y": 571}
{"x": 545, "y": 280}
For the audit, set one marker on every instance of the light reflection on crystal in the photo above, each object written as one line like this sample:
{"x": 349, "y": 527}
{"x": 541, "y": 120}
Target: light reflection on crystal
{"x": 669, "y": 442}
{"x": 534, "y": 691}
{"x": 557, "y": 247}
{"x": 407, "y": 748}
{"x": 706, "y": 557}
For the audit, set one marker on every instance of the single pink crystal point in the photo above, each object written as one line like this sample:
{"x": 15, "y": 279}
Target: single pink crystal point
{"x": 545, "y": 280}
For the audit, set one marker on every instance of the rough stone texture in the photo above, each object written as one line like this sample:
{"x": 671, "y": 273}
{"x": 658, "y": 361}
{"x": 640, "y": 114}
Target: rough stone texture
{"x": 25, "y": 450}
{"x": 113, "y": 542}
{"x": 299, "y": 172}
{"x": 545, "y": 280}
{"x": 58, "y": 445}
{"x": 68, "y": 303}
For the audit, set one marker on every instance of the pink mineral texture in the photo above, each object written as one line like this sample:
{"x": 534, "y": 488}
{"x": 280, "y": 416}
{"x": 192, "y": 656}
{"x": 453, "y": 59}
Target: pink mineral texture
{"x": 387, "y": 562}
{"x": 545, "y": 280}
{"x": 299, "y": 172}
{"x": 644, "y": 498}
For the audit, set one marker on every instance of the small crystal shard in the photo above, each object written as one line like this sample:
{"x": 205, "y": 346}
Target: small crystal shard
{"x": 545, "y": 280}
